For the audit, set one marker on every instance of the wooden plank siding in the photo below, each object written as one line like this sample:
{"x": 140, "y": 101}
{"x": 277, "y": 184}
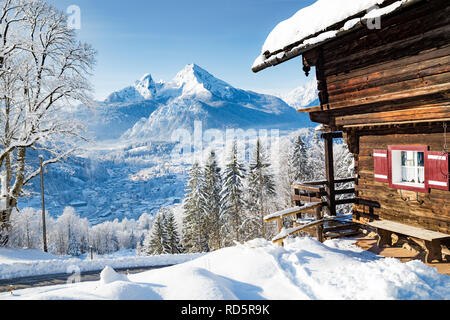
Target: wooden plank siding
{"x": 390, "y": 87}
{"x": 433, "y": 213}
{"x": 400, "y": 73}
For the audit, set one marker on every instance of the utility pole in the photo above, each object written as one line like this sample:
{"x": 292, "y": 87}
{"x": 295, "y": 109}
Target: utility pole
{"x": 44, "y": 227}
{"x": 91, "y": 249}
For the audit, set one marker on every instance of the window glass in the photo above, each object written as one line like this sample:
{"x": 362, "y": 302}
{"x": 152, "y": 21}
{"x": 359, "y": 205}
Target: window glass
{"x": 421, "y": 159}
{"x": 413, "y": 167}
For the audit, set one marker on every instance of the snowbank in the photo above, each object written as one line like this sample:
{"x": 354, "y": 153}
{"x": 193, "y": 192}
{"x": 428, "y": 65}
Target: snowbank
{"x": 8, "y": 255}
{"x": 109, "y": 275}
{"x": 18, "y": 263}
{"x": 303, "y": 269}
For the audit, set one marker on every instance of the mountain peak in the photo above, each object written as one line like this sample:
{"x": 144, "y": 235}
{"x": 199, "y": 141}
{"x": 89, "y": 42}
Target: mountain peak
{"x": 146, "y": 87}
{"x": 192, "y": 72}
{"x": 196, "y": 81}
{"x": 193, "y": 68}
{"x": 302, "y": 96}
{"x": 146, "y": 78}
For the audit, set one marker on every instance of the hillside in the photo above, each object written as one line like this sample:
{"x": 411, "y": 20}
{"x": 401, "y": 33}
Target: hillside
{"x": 127, "y": 169}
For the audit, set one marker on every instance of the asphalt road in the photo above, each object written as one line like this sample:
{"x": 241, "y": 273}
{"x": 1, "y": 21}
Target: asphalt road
{"x": 57, "y": 279}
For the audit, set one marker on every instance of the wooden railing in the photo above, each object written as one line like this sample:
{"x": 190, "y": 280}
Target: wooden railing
{"x": 316, "y": 191}
{"x": 311, "y": 198}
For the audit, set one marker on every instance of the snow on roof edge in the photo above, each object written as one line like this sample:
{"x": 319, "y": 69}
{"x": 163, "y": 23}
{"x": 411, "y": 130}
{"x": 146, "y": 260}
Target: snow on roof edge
{"x": 269, "y": 59}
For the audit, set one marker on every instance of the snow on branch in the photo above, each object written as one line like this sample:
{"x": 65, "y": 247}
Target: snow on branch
{"x": 44, "y": 70}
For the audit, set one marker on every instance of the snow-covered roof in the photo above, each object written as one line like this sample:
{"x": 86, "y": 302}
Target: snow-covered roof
{"x": 318, "y": 23}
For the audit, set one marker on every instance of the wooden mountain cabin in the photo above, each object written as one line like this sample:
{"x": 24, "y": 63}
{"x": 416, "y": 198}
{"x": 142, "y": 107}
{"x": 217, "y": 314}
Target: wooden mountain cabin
{"x": 386, "y": 89}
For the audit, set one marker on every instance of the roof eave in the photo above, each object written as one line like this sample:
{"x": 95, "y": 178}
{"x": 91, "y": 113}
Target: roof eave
{"x": 274, "y": 60}
{"x": 289, "y": 54}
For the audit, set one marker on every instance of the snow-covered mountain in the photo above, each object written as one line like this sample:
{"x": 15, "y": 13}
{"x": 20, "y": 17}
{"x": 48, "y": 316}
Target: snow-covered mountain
{"x": 302, "y": 96}
{"x": 144, "y": 89}
{"x": 129, "y": 169}
{"x": 196, "y": 95}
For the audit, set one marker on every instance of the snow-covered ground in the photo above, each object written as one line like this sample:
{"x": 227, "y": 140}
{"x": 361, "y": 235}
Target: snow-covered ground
{"x": 18, "y": 263}
{"x": 258, "y": 270}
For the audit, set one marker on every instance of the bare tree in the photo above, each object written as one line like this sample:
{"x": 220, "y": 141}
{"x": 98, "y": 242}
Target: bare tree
{"x": 44, "y": 72}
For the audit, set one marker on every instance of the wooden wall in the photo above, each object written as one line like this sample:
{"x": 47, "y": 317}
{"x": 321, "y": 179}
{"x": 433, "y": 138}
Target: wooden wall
{"x": 390, "y": 87}
{"x": 380, "y": 76}
{"x": 433, "y": 214}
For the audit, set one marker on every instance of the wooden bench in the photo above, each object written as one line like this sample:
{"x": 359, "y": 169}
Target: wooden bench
{"x": 431, "y": 239}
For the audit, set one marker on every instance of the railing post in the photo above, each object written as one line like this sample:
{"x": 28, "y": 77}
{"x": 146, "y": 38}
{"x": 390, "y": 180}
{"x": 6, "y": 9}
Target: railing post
{"x": 319, "y": 228}
{"x": 329, "y": 165}
{"x": 280, "y": 225}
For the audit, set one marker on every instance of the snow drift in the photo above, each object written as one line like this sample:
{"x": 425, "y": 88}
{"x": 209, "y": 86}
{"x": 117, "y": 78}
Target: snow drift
{"x": 18, "y": 263}
{"x": 304, "y": 269}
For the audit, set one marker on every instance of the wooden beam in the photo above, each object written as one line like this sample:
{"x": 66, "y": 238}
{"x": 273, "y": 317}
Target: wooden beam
{"x": 345, "y": 191}
{"x": 292, "y": 212}
{"x": 306, "y": 199}
{"x": 324, "y": 183}
{"x": 414, "y": 89}
{"x": 421, "y": 114}
{"x": 395, "y": 123}
{"x": 306, "y": 187}
{"x": 293, "y": 231}
{"x": 311, "y": 109}
{"x": 333, "y": 135}
{"x": 329, "y": 164}
{"x": 319, "y": 228}
{"x": 345, "y": 201}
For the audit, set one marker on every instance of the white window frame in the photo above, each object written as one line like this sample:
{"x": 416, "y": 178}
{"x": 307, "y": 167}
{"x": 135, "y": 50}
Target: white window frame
{"x": 396, "y": 169}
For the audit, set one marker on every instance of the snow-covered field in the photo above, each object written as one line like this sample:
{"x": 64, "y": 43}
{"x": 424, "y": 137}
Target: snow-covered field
{"x": 303, "y": 269}
{"x": 18, "y": 263}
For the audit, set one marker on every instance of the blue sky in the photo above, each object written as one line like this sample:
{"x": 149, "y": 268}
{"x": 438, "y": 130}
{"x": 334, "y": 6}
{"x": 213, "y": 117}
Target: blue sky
{"x": 136, "y": 37}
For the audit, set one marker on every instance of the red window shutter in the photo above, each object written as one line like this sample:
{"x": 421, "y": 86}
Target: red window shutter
{"x": 437, "y": 168}
{"x": 381, "y": 165}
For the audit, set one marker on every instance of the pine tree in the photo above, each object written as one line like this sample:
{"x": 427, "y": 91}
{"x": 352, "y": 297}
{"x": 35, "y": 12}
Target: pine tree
{"x": 133, "y": 240}
{"x": 316, "y": 159}
{"x": 139, "y": 249}
{"x": 194, "y": 237}
{"x": 156, "y": 240}
{"x": 233, "y": 197}
{"x": 74, "y": 249}
{"x": 173, "y": 240}
{"x": 299, "y": 161}
{"x": 212, "y": 202}
{"x": 261, "y": 187}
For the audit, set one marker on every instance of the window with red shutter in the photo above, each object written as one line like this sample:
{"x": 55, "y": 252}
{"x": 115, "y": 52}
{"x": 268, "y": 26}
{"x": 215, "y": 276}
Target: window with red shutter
{"x": 412, "y": 168}
{"x": 407, "y": 168}
{"x": 381, "y": 165}
{"x": 437, "y": 167}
